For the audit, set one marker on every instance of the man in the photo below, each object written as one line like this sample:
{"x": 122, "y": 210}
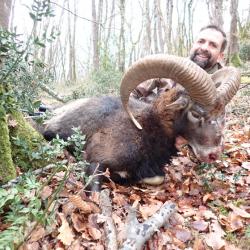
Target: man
{"x": 207, "y": 51}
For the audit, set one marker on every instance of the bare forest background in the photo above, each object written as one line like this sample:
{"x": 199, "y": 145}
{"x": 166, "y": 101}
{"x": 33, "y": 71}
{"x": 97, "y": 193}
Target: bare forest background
{"x": 90, "y": 43}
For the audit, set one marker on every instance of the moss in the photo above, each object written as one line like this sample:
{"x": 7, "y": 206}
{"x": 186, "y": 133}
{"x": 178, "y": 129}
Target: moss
{"x": 235, "y": 60}
{"x": 7, "y": 169}
{"x": 30, "y": 141}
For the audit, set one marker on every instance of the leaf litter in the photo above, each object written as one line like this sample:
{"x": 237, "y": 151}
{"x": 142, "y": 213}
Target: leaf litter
{"x": 213, "y": 201}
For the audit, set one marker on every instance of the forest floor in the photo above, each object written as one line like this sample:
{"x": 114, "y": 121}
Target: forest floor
{"x": 212, "y": 201}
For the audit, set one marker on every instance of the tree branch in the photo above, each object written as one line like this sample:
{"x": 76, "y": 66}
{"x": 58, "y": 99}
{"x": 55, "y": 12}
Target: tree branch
{"x": 109, "y": 226}
{"x": 139, "y": 233}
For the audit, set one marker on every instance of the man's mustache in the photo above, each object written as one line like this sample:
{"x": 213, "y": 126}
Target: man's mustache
{"x": 200, "y": 52}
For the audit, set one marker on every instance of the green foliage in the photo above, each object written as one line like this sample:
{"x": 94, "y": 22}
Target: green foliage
{"x": 21, "y": 205}
{"x": 245, "y": 51}
{"x": 20, "y": 70}
{"x": 40, "y": 9}
{"x": 235, "y": 60}
{"x": 247, "y": 232}
{"x": 77, "y": 141}
{"x": 104, "y": 81}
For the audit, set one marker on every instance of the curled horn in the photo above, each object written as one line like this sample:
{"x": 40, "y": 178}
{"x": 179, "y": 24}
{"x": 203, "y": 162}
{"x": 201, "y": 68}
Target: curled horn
{"x": 227, "y": 81}
{"x": 195, "y": 80}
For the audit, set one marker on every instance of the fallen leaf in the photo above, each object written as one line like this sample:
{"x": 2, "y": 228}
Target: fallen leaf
{"x": 37, "y": 234}
{"x": 239, "y": 211}
{"x": 183, "y": 235}
{"x": 214, "y": 241}
{"x": 200, "y": 225}
{"x": 78, "y": 222}
{"x": 232, "y": 222}
{"x": 46, "y": 192}
{"x": 246, "y": 165}
{"x": 207, "y": 197}
{"x": 94, "y": 233}
{"x": 84, "y": 206}
{"x": 148, "y": 210}
{"x": 198, "y": 244}
{"x": 120, "y": 199}
{"x": 65, "y": 235}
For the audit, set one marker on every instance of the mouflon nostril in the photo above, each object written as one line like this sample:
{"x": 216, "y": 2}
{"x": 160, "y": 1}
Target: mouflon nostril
{"x": 213, "y": 156}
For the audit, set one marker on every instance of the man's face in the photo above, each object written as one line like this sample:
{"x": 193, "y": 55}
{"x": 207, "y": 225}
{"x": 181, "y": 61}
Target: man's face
{"x": 206, "y": 50}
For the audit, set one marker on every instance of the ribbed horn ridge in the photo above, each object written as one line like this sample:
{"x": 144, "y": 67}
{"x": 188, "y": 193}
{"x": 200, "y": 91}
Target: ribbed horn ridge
{"x": 195, "y": 80}
{"x": 228, "y": 79}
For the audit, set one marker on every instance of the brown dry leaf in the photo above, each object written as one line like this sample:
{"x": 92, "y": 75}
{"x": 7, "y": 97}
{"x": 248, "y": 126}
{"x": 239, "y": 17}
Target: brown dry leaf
{"x": 78, "y": 222}
{"x": 65, "y": 235}
{"x": 185, "y": 186}
{"x": 148, "y": 210}
{"x": 84, "y": 206}
{"x": 37, "y": 234}
{"x": 30, "y": 246}
{"x": 200, "y": 225}
{"x": 248, "y": 179}
{"x": 214, "y": 241}
{"x": 68, "y": 208}
{"x": 94, "y": 233}
{"x": 46, "y": 192}
{"x": 214, "y": 238}
{"x": 76, "y": 245}
{"x": 246, "y": 165}
{"x": 205, "y": 213}
{"x": 232, "y": 222}
{"x": 135, "y": 197}
{"x": 119, "y": 199}
{"x": 239, "y": 211}
{"x": 195, "y": 189}
{"x": 198, "y": 244}
{"x": 183, "y": 235}
{"x": 207, "y": 197}
{"x": 12, "y": 123}
{"x": 231, "y": 247}
{"x": 59, "y": 176}
{"x": 176, "y": 219}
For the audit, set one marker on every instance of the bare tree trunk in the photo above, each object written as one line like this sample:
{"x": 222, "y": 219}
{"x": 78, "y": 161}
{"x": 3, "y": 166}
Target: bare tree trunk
{"x": 233, "y": 48}
{"x": 5, "y": 9}
{"x": 74, "y": 45}
{"x": 96, "y": 56}
{"x": 121, "y": 52}
{"x": 215, "y": 12}
{"x": 111, "y": 18}
{"x": 12, "y": 14}
{"x": 100, "y": 14}
{"x": 169, "y": 10}
{"x": 190, "y": 25}
{"x": 156, "y": 18}
{"x": 147, "y": 31}
{"x": 161, "y": 26}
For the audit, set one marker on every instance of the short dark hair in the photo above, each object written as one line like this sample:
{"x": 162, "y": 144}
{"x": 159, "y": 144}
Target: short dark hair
{"x": 215, "y": 27}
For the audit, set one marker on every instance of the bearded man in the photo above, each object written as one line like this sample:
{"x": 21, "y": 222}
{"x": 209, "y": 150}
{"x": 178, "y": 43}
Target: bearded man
{"x": 207, "y": 52}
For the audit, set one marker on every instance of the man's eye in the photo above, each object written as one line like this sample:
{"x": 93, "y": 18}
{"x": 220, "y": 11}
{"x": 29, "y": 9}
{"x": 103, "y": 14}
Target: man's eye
{"x": 214, "y": 45}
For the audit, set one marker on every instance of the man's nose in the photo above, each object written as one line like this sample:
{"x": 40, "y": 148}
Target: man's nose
{"x": 204, "y": 46}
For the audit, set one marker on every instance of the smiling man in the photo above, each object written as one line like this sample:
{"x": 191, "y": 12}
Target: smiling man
{"x": 207, "y": 51}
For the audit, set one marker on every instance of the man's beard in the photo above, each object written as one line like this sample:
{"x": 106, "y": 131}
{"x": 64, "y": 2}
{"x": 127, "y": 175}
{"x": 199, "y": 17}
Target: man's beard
{"x": 204, "y": 64}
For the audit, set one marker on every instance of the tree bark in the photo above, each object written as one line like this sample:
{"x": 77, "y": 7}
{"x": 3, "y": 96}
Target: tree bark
{"x": 96, "y": 56}
{"x": 121, "y": 50}
{"x": 10, "y": 153}
{"x": 215, "y": 12}
{"x": 233, "y": 48}
{"x": 168, "y": 38}
{"x": 5, "y": 9}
